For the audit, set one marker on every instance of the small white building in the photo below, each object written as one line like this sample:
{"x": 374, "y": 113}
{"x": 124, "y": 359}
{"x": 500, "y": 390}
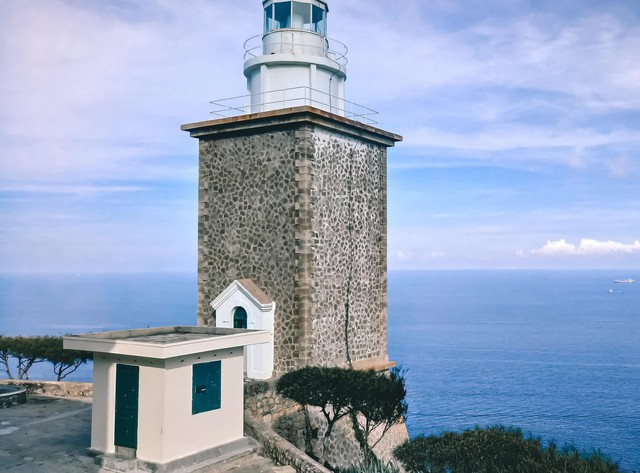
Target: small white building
{"x": 163, "y": 394}
{"x": 244, "y": 305}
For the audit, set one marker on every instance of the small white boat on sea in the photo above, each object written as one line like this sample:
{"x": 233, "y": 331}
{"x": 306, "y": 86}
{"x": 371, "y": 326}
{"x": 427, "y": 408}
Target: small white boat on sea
{"x": 624, "y": 281}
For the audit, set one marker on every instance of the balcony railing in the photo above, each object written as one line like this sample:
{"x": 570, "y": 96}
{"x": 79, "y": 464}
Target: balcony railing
{"x": 292, "y": 97}
{"x": 334, "y": 49}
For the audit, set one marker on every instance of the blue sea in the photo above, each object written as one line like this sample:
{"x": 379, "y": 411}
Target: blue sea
{"x": 556, "y": 353}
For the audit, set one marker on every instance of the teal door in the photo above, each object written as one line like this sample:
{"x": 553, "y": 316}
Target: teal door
{"x": 206, "y": 387}
{"x": 126, "y": 428}
{"x": 239, "y": 318}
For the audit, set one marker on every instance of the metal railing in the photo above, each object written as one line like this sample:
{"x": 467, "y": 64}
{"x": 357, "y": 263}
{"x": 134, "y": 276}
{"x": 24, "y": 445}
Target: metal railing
{"x": 254, "y": 47}
{"x": 292, "y": 97}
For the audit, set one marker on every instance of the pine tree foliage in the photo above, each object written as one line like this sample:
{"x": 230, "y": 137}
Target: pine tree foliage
{"x": 375, "y": 401}
{"x": 19, "y": 354}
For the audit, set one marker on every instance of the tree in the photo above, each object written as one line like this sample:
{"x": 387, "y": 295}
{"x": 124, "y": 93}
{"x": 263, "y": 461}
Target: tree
{"x": 27, "y": 351}
{"x": 64, "y": 361}
{"x": 380, "y": 403}
{"x": 330, "y": 389}
{"x": 5, "y": 352}
{"x": 373, "y": 400}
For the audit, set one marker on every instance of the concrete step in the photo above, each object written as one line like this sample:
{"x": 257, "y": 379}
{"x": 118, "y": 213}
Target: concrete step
{"x": 200, "y": 462}
{"x": 251, "y": 464}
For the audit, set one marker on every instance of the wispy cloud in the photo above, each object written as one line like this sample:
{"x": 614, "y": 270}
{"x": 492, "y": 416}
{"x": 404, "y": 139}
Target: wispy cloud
{"x": 537, "y": 79}
{"x": 502, "y": 138}
{"x": 84, "y": 190}
{"x": 100, "y": 91}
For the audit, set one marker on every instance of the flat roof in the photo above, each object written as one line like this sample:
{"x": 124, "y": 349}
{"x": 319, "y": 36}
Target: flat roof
{"x": 165, "y": 342}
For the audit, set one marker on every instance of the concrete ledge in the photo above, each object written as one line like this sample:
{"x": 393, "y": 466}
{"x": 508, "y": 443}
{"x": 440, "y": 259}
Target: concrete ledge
{"x": 52, "y": 388}
{"x": 288, "y": 117}
{"x": 12, "y": 395}
{"x": 376, "y": 364}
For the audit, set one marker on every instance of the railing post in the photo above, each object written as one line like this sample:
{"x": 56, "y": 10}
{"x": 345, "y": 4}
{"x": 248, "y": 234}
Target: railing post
{"x": 291, "y": 97}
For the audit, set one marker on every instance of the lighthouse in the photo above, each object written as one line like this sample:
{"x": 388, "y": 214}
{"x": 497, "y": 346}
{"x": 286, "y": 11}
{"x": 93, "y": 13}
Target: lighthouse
{"x": 292, "y": 202}
{"x": 293, "y": 62}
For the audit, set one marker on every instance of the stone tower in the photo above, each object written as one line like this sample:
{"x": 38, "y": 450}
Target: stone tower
{"x": 292, "y": 195}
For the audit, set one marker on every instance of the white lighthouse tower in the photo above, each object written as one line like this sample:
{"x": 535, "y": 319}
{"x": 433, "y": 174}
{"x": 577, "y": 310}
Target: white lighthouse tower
{"x": 293, "y": 63}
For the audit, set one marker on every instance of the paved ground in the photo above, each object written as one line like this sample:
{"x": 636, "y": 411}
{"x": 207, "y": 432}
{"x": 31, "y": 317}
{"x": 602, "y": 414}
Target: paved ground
{"x": 46, "y": 435}
{"x": 51, "y": 435}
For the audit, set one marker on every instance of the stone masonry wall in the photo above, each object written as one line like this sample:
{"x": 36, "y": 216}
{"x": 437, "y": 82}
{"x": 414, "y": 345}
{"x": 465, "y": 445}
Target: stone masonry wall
{"x": 246, "y": 226}
{"x": 263, "y": 402}
{"x": 349, "y": 237}
{"x": 301, "y": 211}
{"x": 52, "y": 388}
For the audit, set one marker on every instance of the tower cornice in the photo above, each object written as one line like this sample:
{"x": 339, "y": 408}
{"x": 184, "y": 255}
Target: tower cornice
{"x": 287, "y": 117}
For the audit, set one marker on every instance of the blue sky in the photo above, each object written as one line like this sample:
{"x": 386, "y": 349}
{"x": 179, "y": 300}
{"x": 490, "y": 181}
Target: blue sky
{"x": 521, "y": 125}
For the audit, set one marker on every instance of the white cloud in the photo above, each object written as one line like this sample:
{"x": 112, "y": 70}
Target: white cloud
{"x": 83, "y": 190}
{"x": 587, "y": 247}
{"x": 529, "y": 78}
{"x": 98, "y": 91}
{"x": 619, "y": 167}
{"x": 508, "y": 137}
{"x": 591, "y": 55}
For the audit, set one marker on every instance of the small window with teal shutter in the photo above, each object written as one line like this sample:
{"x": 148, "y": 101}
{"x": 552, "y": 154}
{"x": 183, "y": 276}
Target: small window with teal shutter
{"x": 206, "y": 387}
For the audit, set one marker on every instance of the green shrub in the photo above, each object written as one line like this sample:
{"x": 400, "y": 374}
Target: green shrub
{"x": 495, "y": 450}
{"x": 374, "y": 466}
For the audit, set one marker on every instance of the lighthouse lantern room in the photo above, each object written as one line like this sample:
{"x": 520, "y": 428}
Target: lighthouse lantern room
{"x": 293, "y": 64}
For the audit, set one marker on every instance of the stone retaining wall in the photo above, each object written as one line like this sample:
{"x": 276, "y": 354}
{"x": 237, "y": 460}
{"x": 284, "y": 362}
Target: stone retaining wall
{"x": 53, "y": 388}
{"x": 278, "y": 449}
{"x": 265, "y": 404}
{"x": 305, "y": 431}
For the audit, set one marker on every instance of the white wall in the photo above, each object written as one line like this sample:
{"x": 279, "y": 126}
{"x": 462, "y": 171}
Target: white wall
{"x": 151, "y": 414}
{"x": 259, "y": 358}
{"x": 186, "y": 433}
{"x": 167, "y": 430}
{"x": 103, "y": 410}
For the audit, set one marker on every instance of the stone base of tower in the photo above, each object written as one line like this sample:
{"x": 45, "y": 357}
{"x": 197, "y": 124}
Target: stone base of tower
{"x": 295, "y": 200}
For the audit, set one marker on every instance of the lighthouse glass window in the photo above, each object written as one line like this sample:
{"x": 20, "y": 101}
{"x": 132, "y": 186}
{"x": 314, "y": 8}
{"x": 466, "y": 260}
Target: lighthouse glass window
{"x": 301, "y": 18}
{"x": 282, "y": 15}
{"x": 298, "y": 15}
{"x": 318, "y": 23}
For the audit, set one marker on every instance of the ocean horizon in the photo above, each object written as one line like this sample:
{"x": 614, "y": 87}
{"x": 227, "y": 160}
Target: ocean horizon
{"x": 555, "y": 353}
